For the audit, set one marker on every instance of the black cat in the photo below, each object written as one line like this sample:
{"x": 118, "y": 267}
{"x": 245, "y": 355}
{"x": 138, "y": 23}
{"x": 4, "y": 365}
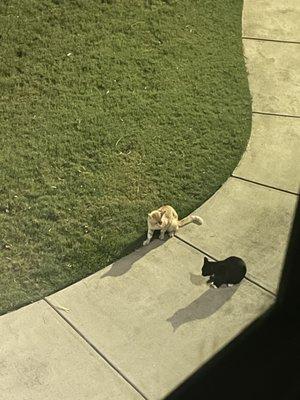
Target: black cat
{"x": 229, "y": 271}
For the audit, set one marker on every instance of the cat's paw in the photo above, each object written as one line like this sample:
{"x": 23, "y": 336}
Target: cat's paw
{"x": 171, "y": 234}
{"x": 146, "y": 242}
{"x": 213, "y": 285}
{"x": 229, "y": 284}
{"x": 161, "y": 237}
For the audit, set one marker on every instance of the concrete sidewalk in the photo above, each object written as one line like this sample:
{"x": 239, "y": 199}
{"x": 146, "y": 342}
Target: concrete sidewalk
{"x": 138, "y": 328}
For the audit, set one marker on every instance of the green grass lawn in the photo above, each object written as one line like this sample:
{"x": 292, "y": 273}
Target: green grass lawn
{"x": 108, "y": 110}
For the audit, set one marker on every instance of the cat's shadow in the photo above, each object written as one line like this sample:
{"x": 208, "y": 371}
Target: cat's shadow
{"x": 124, "y": 264}
{"x": 203, "y": 307}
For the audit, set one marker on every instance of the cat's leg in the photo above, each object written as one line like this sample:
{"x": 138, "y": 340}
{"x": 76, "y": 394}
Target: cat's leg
{"x": 213, "y": 285}
{"x": 149, "y": 237}
{"x": 217, "y": 282}
{"x": 162, "y": 234}
{"x": 173, "y": 228}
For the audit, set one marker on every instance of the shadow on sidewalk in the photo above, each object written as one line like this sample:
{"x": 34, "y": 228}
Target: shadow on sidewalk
{"x": 207, "y": 304}
{"x": 197, "y": 280}
{"x": 123, "y": 265}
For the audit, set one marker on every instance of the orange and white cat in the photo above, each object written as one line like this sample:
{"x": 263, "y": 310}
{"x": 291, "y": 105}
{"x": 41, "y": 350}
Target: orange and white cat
{"x": 166, "y": 219}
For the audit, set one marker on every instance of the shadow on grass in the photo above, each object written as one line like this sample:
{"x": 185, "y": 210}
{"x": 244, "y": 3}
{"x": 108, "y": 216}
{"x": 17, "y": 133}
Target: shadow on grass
{"x": 137, "y": 251}
{"x": 207, "y": 304}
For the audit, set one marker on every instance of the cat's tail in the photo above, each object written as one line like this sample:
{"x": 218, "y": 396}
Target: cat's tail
{"x": 191, "y": 218}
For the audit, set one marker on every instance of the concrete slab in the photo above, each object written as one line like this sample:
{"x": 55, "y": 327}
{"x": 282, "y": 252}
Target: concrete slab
{"x": 272, "y": 156}
{"x": 159, "y": 321}
{"x": 269, "y": 19}
{"x": 42, "y": 358}
{"x": 274, "y": 76}
{"x": 249, "y": 221}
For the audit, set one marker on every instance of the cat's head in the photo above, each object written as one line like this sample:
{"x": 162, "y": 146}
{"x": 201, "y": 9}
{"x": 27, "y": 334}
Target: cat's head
{"x": 155, "y": 219}
{"x": 207, "y": 267}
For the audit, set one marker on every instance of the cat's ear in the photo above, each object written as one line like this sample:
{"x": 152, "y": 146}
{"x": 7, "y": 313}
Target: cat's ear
{"x": 149, "y": 215}
{"x": 205, "y": 260}
{"x": 162, "y": 215}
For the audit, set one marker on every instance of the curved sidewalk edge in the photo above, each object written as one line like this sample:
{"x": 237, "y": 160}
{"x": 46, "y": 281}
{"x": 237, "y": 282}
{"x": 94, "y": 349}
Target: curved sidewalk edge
{"x": 138, "y": 328}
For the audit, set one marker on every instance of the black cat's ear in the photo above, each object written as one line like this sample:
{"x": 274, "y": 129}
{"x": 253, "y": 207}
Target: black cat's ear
{"x": 205, "y": 260}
